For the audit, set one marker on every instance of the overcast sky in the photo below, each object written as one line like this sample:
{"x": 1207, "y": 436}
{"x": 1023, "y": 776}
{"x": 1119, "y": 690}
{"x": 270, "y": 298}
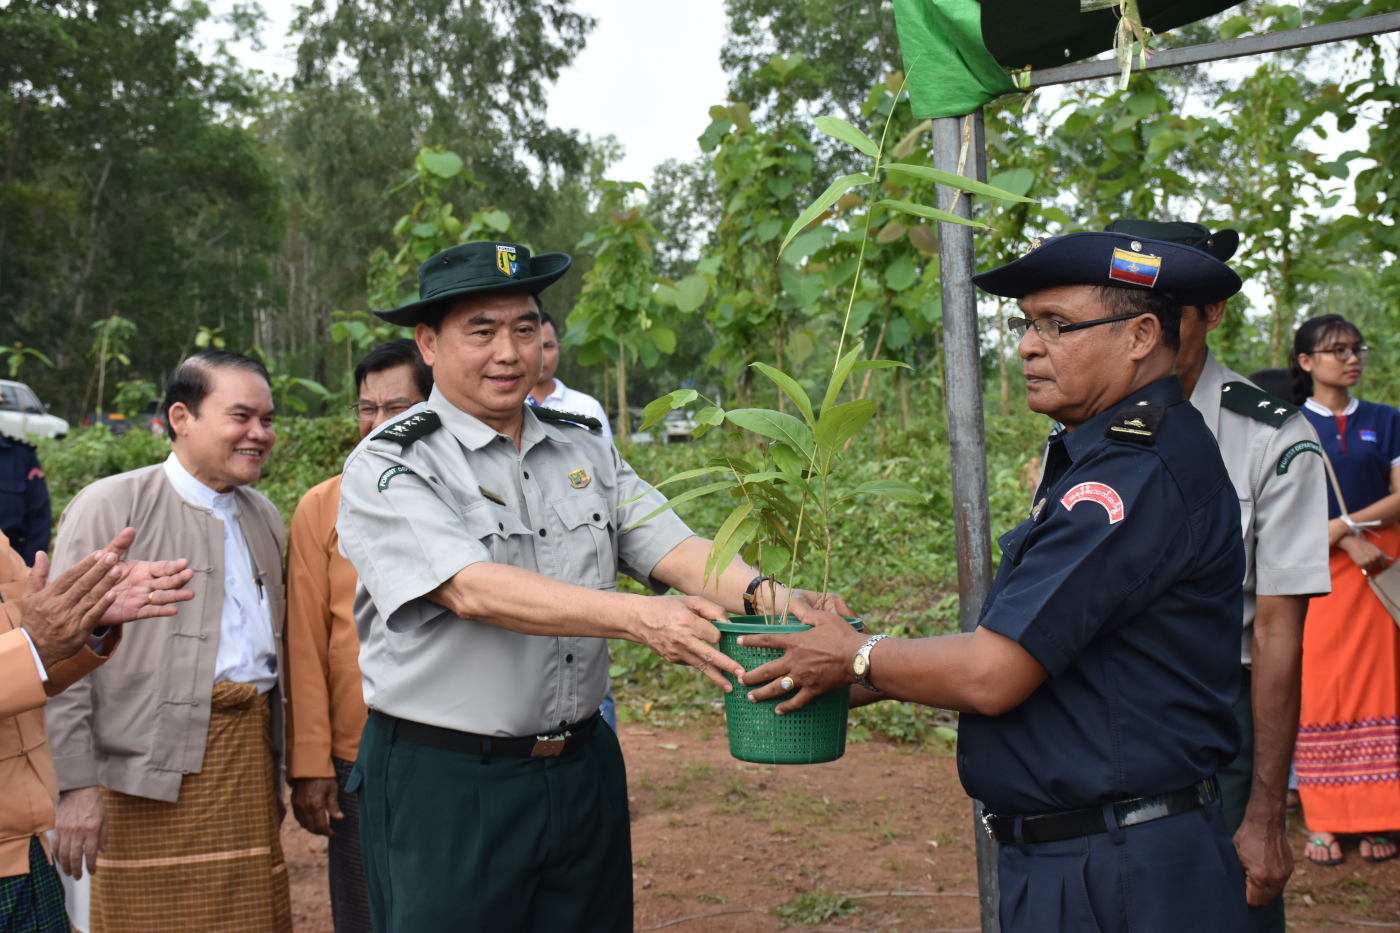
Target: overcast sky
{"x": 648, "y": 75}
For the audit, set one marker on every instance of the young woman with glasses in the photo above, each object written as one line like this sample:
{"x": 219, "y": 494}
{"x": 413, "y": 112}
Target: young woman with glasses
{"x": 1348, "y": 753}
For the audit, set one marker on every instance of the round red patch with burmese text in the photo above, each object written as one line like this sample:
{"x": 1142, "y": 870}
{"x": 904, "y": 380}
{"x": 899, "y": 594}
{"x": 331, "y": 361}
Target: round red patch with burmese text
{"x": 1101, "y": 493}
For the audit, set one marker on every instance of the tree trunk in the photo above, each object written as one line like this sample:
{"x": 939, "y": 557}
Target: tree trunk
{"x": 102, "y": 368}
{"x": 605, "y": 398}
{"x": 92, "y": 249}
{"x": 1001, "y": 357}
{"x": 778, "y": 357}
{"x": 622, "y": 394}
{"x": 875, "y": 355}
{"x": 903, "y": 397}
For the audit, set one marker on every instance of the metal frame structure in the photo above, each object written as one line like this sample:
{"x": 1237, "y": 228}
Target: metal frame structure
{"x": 959, "y": 146}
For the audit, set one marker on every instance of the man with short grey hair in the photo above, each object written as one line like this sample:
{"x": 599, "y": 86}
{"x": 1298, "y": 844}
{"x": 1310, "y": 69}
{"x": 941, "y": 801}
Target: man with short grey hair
{"x": 169, "y": 756}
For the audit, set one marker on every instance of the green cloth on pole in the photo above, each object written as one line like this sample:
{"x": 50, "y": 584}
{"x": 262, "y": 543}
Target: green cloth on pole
{"x": 950, "y": 72}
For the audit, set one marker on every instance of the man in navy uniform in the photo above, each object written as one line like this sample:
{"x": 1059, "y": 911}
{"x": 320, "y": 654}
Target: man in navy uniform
{"x": 1097, "y": 691}
{"x": 24, "y": 499}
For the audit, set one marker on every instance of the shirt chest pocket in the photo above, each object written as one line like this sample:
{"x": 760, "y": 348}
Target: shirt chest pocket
{"x": 498, "y": 528}
{"x": 588, "y": 536}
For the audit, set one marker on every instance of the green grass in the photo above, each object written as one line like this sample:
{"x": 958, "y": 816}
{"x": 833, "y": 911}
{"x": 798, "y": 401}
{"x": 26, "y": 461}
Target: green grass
{"x": 814, "y": 907}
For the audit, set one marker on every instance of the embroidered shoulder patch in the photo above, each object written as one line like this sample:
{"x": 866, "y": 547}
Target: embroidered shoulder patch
{"x": 1244, "y": 399}
{"x": 390, "y": 474}
{"x": 1136, "y": 423}
{"x": 1102, "y": 493}
{"x": 410, "y": 429}
{"x": 1291, "y": 454}
{"x": 566, "y": 417}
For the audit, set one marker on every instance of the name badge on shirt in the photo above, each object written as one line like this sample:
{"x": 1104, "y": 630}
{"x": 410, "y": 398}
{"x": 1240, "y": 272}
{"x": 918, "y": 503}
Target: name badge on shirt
{"x": 1368, "y": 436}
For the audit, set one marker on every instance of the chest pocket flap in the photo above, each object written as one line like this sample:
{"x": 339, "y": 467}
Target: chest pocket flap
{"x": 487, "y": 519}
{"x": 589, "y": 539}
{"x": 588, "y": 509}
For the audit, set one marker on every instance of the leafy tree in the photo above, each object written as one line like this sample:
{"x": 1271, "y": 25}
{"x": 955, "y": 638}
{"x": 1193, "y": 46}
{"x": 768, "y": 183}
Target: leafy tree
{"x": 130, "y": 185}
{"x": 617, "y": 316}
{"x": 18, "y": 353}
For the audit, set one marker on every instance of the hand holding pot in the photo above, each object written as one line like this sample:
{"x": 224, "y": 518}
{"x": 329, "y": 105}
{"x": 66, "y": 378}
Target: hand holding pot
{"x": 678, "y": 628}
{"x": 818, "y": 660}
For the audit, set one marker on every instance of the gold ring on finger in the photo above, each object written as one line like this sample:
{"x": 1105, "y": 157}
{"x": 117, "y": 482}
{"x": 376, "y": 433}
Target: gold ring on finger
{"x": 151, "y": 597}
{"x": 786, "y": 683}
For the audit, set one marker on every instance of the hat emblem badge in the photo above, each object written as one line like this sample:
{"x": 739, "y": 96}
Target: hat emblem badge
{"x": 505, "y": 259}
{"x": 1137, "y": 247}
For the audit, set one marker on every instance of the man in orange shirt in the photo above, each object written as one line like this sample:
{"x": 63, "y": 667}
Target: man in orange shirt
{"x": 47, "y": 641}
{"x": 327, "y": 710}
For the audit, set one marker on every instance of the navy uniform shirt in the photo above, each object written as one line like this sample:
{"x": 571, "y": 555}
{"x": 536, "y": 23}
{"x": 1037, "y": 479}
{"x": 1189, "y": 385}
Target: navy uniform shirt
{"x": 1124, "y": 584}
{"x": 24, "y": 499}
{"x": 1363, "y": 445}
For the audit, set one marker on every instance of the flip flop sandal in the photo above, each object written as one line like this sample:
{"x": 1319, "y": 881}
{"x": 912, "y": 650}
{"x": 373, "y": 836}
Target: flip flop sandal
{"x": 1378, "y": 841}
{"x": 1325, "y": 846}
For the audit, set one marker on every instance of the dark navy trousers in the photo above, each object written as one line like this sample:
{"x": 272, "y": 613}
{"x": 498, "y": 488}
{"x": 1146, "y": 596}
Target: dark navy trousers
{"x": 1174, "y": 874}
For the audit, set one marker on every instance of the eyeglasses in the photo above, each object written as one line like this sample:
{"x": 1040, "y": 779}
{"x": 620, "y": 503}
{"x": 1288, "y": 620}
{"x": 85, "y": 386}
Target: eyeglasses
{"x": 367, "y": 412}
{"x": 1050, "y": 328}
{"x": 1342, "y": 354}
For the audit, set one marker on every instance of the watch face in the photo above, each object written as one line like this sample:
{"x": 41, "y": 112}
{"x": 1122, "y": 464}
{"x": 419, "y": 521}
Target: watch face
{"x": 860, "y": 665}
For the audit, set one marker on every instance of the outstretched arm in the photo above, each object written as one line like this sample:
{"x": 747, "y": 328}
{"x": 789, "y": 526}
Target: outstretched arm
{"x": 981, "y": 672}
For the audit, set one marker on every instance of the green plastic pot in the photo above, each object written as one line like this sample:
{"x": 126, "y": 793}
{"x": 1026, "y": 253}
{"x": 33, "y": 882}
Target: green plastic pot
{"x": 810, "y": 735}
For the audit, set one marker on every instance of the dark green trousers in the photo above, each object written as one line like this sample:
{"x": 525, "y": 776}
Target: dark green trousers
{"x": 1236, "y": 782}
{"x": 458, "y": 843}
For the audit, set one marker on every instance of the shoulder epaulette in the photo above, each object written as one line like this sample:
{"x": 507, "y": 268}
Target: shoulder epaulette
{"x": 568, "y": 417}
{"x": 1244, "y": 399}
{"x": 1137, "y": 423}
{"x": 410, "y": 429}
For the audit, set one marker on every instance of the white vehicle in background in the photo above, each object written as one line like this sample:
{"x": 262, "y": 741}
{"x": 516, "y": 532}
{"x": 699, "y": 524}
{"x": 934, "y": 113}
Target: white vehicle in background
{"x": 22, "y": 414}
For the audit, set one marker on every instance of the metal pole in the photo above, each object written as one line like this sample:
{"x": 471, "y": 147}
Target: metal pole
{"x": 957, "y": 147}
{"x": 1230, "y": 48}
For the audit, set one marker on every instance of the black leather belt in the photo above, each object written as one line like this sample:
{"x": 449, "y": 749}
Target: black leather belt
{"x": 567, "y": 740}
{"x": 1052, "y": 827}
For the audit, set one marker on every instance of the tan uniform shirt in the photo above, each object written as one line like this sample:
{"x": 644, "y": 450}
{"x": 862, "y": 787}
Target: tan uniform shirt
{"x": 139, "y": 724}
{"x": 326, "y": 701}
{"x": 28, "y": 785}
{"x": 416, "y": 510}
{"x": 1282, "y": 491}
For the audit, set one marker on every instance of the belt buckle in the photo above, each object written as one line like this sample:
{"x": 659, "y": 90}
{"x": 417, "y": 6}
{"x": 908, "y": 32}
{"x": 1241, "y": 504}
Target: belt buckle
{"x": 549, "y": 746}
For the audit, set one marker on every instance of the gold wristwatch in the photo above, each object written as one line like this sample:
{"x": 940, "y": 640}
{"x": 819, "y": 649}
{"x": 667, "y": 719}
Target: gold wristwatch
{"x": 861, "y": 662}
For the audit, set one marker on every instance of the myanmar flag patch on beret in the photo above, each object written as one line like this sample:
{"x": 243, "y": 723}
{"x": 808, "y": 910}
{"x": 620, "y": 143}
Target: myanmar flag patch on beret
{"x": 1134, "y": 268}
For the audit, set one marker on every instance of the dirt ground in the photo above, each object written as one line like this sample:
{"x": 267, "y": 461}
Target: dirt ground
{"x": 718, "y": 845}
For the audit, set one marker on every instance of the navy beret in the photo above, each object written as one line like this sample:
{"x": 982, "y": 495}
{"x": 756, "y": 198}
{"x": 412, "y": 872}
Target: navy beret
{"x": 1116, "y": 260}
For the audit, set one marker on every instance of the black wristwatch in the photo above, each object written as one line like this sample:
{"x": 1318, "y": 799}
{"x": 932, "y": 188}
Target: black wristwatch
{"x": 754, "y": 584}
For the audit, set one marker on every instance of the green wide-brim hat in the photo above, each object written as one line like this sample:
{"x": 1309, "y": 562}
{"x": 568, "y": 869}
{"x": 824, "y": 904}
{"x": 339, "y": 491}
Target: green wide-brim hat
{"x": 486, "y": 268}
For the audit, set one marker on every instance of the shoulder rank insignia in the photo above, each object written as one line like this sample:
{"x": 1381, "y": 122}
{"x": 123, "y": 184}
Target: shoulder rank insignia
{"x": 1291, "y": 454}
{"x": 390, "y": 474}
{"x": 1136, "y": 423}
{"x": 1244, "y": 399}
{"x": 565, "y": 417}
{"x": 410, "y": 429}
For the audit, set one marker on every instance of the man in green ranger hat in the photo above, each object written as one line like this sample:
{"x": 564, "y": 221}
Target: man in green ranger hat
{"x": 488, "y": 535}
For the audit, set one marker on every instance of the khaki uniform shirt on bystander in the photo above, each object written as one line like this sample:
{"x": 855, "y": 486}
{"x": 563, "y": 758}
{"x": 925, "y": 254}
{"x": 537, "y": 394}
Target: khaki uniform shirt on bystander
{"x": 1275, "y": 464}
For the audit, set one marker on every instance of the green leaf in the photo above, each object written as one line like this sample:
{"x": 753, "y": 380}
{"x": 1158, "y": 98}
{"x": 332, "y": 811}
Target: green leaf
{"x": 442, "y": 164}
{"x": 768, "y": 229}
{"x": 714, "y": 134}
{"x": 839, "y": 129}
{"x": 838, "y": 377}
{"x": 689, "y": 494}
{"x": 767, "y": 476}
{"x": 733, "y": 534}
{"x": 1016, "y": 180}
{"x": 878, "y": 364}
{"x": 841, "y": 423}
{"x": 895, "y": 489}
{"x": 710, "y": 415}
{"x": 664, "y": 338}
{"x": 774, "y": 424}
{"x": 692, "y": 291}
{"x": 800, "y": 347}
{"x": 953, "y": 180}
{"x": 665, "y": 404}
{"x": 790, "y": 386}
{"x": 932, "y": 213}
{"x": 901, "y": 273}
{"x": 828, "y": 197}
{"x": 497, "y": 220}
{"x": 775, "y": 558}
